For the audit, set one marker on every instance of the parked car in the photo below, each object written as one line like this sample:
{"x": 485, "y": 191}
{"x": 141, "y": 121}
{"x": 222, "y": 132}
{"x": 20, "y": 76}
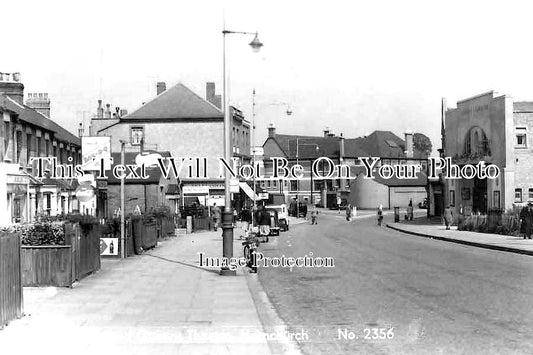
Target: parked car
{"x": 282, "y": 216}
{"x": 342, "y": 206}
{"x": 423, "y": 204}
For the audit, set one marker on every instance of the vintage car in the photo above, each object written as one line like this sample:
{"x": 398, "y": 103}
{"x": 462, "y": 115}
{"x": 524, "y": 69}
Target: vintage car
{"x": 279, "y": 218}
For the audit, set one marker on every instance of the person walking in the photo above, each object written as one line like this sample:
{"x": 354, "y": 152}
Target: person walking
{"x": 305, "y": 208}
{"x": 216, "y": 215}
{"x": 246, "y": 220}
{"x": 380, "y": 215}
{"x": 448, "y": 217}
{"x": 314, "y": 215}
{"x": 349, "y": 212}
{"x": 293, "y": 208}
{"x": 262, "y": 218}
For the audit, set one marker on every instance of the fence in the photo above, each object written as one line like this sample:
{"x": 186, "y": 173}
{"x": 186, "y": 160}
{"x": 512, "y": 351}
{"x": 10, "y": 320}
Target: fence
{"x": 11, "y": 305}
{"x": 61, "y": 265}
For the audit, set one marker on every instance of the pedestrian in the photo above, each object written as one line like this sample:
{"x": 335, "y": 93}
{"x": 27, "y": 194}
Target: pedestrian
{"x": 305, "y": 208}
{"x": 246, "y": 219}
{"x": 263, "y": 220}
{"x": 380, "y": 215}
{"x": 448, "y": 217}
{"x": 526, "y": 221}
{"x": 216, "y": 215}
{"x": 410, "y": 210}
{"x": 349, "y": 212}
{"x": 293, "y": 207}
{"x": 314, "y": 215}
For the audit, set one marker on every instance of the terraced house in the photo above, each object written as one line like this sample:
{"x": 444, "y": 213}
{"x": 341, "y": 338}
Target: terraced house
{"x": 27, "y": 132}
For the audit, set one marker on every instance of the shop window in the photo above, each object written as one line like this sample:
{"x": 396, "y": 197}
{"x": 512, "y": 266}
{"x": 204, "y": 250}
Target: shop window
{"x": 517, "y": 195}
{"x": 521, "y": 137}
{"x": 530, "y": 195}
{"x": 137, "y": 135}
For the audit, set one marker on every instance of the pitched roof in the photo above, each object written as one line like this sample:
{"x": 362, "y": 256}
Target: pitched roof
{"x": 420, "y": 180}
{"x": 177, "y": 102}
{"x": 307, "y": 146}
{"x": 523, "y": 106}
{"x": 383, "y": 144}
{"x": 29, "y": 115}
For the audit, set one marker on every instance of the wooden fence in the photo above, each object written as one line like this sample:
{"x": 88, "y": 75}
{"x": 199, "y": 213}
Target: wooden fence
{"x": 11, "y": 304}
{"x": 61, "y": 265}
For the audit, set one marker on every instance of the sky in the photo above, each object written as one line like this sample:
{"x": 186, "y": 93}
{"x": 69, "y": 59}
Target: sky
{"x": 351, "y": 66}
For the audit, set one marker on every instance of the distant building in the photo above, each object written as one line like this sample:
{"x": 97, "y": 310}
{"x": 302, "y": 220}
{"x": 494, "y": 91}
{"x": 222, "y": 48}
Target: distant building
{"x": 144, "y": 193}
{"x": 28, "y": 132}
{"x": 347, "y": 151}
{"x": 181, "y": 122}
{"x": 394, "y": 192}
{"x": 495, "y": 129}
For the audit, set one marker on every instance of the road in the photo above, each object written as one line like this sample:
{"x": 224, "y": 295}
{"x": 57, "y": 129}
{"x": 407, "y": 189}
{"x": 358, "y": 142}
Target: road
{"x": 438, "y": 297}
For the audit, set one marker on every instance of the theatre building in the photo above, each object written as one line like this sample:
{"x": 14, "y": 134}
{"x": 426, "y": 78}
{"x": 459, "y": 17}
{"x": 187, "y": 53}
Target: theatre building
{"x": 497, "y": 130}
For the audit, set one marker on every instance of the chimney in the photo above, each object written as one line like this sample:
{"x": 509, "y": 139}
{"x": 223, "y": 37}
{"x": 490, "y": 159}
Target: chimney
{"x": 271, "y": 131}
{"x": 11, "y": 86}
{"x": 161, "y": 86}
{"x": 99, "y": 110}
{"x": 39, "y": 102}
{"x": 80, "y": 130}
{"x": 341, "y": 147}
{"x": 210, "y": 95}
{"x": 107, "y": 113}
{"x": 409, "y": 144}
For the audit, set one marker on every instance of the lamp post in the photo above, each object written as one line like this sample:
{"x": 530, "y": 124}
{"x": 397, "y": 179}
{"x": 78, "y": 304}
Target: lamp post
{"x": 227, "y": 215}
{"x": 288, "y": 112}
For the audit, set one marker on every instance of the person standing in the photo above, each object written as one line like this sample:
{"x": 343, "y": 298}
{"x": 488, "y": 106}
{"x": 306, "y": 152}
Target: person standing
{"x": 262, "y": 218}
{"x": 216, "y": 215}
{"x": 380, "y": 215}
{"x": 448, "y": 217}
{"x": 293, "y": 208}
{"x": 314, "y": 215}
{"x": 246, "y": 220}
{"x": 349, "y": 212}
{"x": 305, "y": 208}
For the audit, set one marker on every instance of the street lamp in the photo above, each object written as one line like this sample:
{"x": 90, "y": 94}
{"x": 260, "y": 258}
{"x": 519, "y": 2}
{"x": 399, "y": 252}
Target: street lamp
{"x": 227, "y": 215}
{"x": 288, "y": 112}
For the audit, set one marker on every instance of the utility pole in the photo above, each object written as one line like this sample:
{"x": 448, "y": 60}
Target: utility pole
{"x": 253, "y": 152}
{"x": 122, "y": 212}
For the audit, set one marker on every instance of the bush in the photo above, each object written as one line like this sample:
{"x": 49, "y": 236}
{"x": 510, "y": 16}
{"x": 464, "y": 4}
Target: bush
{"x": 39, "y": 233}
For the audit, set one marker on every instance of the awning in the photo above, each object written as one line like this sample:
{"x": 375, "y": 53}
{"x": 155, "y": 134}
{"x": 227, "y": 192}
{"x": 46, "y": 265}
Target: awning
{"x": 248, "y": 191}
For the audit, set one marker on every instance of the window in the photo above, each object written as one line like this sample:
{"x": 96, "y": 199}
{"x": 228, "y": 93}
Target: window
{"x": 452, "y": 198}
{"x": 294, "y": 185}
{"x": 137, "y": 135}
{"x": 38, "y": 152}
{"x": 521, "y": 137}
{"x": 517, "y": 195}
{"x": 268, "y": 183}
{"x": 530, "y": 194}
{"x": 19, "y": 146}
{"x": 275, "y": 184}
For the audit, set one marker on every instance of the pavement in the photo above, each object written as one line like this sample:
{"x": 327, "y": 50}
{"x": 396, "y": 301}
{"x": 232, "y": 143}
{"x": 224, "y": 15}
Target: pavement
{"x": 499, "y": 242}
{"x": 160, "y": 302}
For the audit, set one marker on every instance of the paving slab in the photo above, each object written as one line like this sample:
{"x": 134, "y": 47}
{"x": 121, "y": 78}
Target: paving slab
{"x": 161, "y": 302}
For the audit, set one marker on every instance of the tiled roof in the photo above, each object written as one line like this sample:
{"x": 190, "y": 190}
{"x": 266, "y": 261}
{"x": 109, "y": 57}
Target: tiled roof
{"x": 420, "y": 180}
{"x": 178, "y": 102}
{"x": 523, "y": 106}
{"x": 29, "y": 115}
{"x": 307, "y": 146}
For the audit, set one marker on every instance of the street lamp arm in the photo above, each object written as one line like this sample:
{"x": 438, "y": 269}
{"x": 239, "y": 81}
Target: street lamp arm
{"x": 239, "y": 32}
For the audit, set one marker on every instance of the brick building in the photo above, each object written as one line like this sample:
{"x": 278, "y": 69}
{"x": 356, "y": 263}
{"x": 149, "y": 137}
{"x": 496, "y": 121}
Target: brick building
{"x": 26, "y": 132}
{"x": 358, "y": 191}
{"x": 183, "y": 123}
{"x": 497, "y": 130}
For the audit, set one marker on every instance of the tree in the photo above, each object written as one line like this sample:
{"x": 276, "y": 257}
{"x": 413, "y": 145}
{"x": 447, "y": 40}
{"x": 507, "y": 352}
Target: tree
{"x": 422, "y": 144}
